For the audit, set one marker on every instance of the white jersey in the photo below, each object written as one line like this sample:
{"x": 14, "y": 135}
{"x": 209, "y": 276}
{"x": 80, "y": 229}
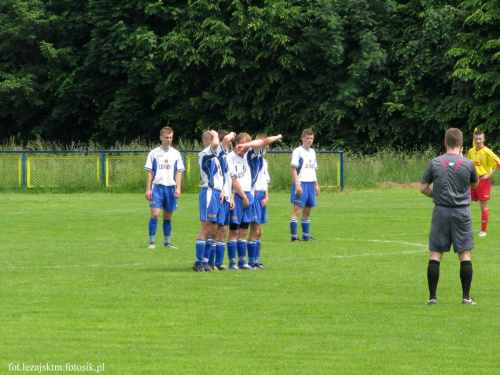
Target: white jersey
{"x": 210, "y": 170}
{"x": 164, "y": 164}
{"x": 225, "y": 172}
{"x": 263, "y": 178}
{"x": 305, "y": 162}
{"x": 246, "y": 168}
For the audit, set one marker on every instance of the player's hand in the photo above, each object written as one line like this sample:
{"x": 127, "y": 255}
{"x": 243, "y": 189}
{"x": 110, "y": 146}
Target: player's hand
{"x": 264, "y": 202}
{"x": 231, "y": 202}
{"x": 317, "y": 190}
{"x": 245, "y": 202}
{"x": 149, "y": 194}
{"x": 177, "y": 193}
{"x": 298, "y": 190}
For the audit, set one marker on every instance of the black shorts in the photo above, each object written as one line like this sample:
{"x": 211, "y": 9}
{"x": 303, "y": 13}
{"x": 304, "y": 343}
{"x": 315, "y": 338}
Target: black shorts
{"x": 451, "y": 225}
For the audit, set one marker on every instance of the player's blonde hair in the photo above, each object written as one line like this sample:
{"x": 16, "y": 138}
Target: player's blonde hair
{"x": 166, "y": 130}
{"x": 307, "y": 132}
{"x": 243, "y": 138}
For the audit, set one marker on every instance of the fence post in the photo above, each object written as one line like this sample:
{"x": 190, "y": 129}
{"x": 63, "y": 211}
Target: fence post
{"x": 23, "y": 169}
{"x": 341, "y": 170}
{"x": 103, "y": 168}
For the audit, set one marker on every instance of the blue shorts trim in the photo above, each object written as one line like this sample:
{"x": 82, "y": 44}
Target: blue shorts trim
{"x": 163, "y": 197}
{"x": 308, "y": 197}
{"x": 209, "y": 200}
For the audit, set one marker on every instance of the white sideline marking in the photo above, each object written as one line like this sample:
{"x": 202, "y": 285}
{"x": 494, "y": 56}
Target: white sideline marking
{"x": 423, "y": 247}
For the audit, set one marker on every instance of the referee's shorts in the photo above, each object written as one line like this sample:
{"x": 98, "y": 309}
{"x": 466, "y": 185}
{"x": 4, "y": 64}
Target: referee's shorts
{"x": 451, "y": 226}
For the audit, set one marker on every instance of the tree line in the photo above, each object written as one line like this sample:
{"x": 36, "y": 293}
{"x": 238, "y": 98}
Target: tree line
{"x": 363, "y": 74}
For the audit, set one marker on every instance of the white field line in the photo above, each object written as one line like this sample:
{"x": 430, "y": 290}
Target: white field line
{"x": 421, "y": 246}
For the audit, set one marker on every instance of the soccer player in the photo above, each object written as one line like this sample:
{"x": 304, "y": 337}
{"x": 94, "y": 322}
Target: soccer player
{"x": 244, "y": 163}
{"x": 254, "y": 242}
{"x": 163, "y": 185}
{"x": 210, "y": 198}
{"x": 305, "y": 186}
{"x": 452, "y": 177}
{"x": 486, "y": 163}
{"x": 216, "y": 260}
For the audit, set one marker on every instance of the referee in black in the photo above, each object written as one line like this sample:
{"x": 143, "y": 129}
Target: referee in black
{"x": 452, "y": 177}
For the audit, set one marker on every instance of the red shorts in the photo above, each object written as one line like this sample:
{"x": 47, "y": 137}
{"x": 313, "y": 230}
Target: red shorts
{"x": 482, "y": 192}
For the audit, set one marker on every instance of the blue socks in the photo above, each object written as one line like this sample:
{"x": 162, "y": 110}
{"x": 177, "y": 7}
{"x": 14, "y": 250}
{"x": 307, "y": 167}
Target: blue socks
{"x": 293, "y": 227}
{"x": 167, "y": 230}
{"x": 200, "y": 251}
{"x": 252, "y": 252}
{"x": 305, "y": 228}
{"x": 153, "y": 225}
{"x": 231, "y": 252}
{"x": 220, "y": 247}
{"x": 242, "y": 252}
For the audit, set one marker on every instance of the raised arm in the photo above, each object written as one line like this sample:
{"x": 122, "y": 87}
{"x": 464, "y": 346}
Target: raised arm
{"x": 257, "y": 143}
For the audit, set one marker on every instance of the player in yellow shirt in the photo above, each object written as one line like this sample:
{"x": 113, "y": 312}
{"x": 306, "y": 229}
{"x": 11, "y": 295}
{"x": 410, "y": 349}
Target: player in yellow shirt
{"x": 486, "y": 163}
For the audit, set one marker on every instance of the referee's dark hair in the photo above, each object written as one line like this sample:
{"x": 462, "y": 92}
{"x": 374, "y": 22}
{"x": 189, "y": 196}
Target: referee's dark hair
{"x": 453, "y": 137}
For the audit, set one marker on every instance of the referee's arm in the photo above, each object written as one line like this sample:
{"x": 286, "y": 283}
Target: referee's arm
{"x": 426, "y": 189}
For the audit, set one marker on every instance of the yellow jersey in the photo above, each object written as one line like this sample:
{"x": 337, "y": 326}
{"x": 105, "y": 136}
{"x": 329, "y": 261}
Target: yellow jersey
{"x": 484, "y": 159}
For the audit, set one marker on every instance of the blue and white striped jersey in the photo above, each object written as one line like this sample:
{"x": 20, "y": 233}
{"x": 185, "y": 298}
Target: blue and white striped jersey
{"x": 164, "y": 164}
{"x": 246, "y": 168}
{"x": 305, "y": 162}
{"x": 210, "y": 169}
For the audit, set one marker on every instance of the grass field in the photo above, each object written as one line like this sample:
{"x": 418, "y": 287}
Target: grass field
{"x": 79, "y": 286}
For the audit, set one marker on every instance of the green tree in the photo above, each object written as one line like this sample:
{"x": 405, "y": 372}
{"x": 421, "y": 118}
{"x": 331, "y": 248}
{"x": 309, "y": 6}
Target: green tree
{"x": 476, "y": 73}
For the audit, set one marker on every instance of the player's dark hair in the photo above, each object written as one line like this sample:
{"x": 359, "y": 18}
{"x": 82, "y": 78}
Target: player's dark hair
{"x": 222, "y": 133}
{"x": 453, "y": 137}
{"x": 478, "y": 132}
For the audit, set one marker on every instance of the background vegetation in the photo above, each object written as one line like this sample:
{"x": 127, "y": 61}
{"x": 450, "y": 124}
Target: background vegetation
{"x": 364, "y": 74}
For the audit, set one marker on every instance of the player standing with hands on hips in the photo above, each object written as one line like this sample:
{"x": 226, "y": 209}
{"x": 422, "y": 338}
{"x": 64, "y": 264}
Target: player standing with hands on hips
{"x": 453, "y": 176}
{"x": 486, "y": 163}
{"x": 163, "y": 185}
{"x": 305, "y": 186}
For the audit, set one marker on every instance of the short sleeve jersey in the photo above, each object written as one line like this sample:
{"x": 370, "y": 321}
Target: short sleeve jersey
{"x": 210, "y": 169}
{"x": 164, "y": 164}
{"x": 246, "y": 168}
{"x": 484, "y": 159}
{"x": 263, "y": 178}
{"x": 305, "y": 162}
{"x": 452, "y": 175}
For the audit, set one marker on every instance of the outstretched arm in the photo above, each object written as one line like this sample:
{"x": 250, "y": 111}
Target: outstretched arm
{"x": 257, "y": 143}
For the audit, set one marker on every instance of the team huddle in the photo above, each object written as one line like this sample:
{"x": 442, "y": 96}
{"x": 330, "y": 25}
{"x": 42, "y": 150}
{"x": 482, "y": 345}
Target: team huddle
{"x": 233, "y": 197}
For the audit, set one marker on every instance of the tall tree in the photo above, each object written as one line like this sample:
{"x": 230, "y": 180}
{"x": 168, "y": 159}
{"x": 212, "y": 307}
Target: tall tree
{"x": 476, "y": 51}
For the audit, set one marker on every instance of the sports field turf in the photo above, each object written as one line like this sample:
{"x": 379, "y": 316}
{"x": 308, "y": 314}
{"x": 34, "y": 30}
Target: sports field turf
{"x": 78, "y": 286}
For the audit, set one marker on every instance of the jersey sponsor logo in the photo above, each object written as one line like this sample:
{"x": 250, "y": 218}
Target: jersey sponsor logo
{"x": 165, "y": 166}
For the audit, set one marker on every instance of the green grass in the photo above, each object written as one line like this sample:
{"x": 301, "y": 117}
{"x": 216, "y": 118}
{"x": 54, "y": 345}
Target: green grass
{"x": 78, "y": 286}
